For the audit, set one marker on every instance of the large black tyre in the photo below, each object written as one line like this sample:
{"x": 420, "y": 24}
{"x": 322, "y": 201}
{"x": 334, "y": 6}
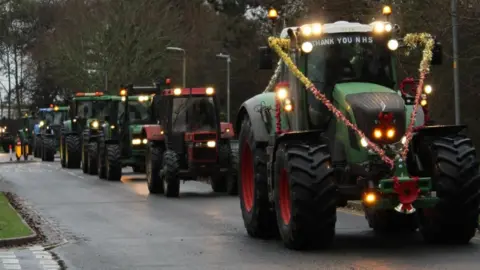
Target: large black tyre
{"x": 39, "y": 145}
{"x": 85, "y": 156}
{"x": 153, "y": 163}
{"x": 305, "y": 196}
{"x": 48, "y": 149}
{"x": 113, "y": 165}
{"x": 390, "y": 221}
{"x": 5, "y": 148}
{"x": 73, "y": 151}
{"x": 63, "y": 160}
{"x": 219, "y": 182}
{"x": 456, "y": 180}
{"x": 232, "y": 182}
{"x": 101, "y": 160}
{"x": 257, "y": 212}
{"x": 92, "y": 158}
{"x": 169, "y": 173}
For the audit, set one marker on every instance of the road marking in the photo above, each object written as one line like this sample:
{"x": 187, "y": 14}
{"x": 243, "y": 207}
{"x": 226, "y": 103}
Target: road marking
{"x": 10, "y": 261}
{"x": 12, "y": 266}
{"x": 46, "y": 257}
{"x": 36, "y": 248}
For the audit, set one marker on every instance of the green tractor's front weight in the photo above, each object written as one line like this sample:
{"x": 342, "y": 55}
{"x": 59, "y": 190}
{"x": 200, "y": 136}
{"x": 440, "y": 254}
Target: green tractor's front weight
{"x": 122, "y": 143}
{"x": 80, "y": 133}
{"x": 299, "y": 161}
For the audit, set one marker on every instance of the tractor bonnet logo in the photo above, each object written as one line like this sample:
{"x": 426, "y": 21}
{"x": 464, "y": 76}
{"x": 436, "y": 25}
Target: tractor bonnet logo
{"x": 384, "y": 106}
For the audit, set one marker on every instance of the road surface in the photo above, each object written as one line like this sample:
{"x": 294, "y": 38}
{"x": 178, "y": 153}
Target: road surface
{"x": 118, "y": 225}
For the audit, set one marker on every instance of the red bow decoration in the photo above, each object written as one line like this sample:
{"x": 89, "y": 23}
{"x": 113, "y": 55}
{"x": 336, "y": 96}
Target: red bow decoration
{"x": 407, "y": 193}
{"x": 385, "y": 119}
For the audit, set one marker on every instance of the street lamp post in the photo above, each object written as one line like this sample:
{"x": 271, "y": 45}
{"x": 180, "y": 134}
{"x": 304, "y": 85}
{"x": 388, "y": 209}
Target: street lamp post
{"x": 184, "y": 62}
{"x": 456, "y": 80}
{"x": 227, "y": 57}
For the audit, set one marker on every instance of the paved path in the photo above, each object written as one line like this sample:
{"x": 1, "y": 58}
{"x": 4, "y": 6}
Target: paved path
{"x": 118, "y": 225}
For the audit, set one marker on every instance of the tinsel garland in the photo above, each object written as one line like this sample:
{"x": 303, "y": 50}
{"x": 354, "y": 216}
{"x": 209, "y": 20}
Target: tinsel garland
{"x": 411, "y": 40}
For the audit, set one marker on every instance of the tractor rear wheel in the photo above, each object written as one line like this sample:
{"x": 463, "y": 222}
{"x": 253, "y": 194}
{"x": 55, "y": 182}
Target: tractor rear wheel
{"x": 228, "y": 182}
{"x": 72, "y": 151}
{"x": 101, "y": 166}
{"x": 48, "y": 149}
{"x": 39, "y": 147}
{"x": 113, "y": 165}
{"x": 5, "y": 148}
{"x": 170, "y": 174}
{"x": 456, "y": 180}
{"x": 305, "y": 196}
{"x": 257, "y": 213}
{"x": 92, "y": 158}
{"x": 153, "y": 165}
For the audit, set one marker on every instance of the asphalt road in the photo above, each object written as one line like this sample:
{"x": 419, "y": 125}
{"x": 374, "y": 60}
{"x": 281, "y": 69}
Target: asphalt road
{"x": 119, "y": 225}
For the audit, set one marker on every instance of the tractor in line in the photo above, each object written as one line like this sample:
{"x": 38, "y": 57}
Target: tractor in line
{"x": 299, "y": 160}
{"x": 187, "y": 141}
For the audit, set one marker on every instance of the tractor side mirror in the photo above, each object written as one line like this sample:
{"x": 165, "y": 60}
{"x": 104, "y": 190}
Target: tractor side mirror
{"x": 437, "y": 54}
{"x": 266, "y": 58}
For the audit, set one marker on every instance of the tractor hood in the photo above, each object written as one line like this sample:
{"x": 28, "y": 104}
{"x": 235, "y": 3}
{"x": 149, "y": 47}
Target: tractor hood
{"x": 366, "y": 101}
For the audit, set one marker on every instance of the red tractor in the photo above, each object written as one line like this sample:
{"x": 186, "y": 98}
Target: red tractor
{"x": 189, "y": 142}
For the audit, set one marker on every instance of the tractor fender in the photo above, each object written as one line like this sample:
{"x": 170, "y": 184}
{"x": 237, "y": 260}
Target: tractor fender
{"x": 439, "y": 130}
{"x": 153, "y": 132}
{"x": 251, "y": 108}
{"x": 226, "y": 130}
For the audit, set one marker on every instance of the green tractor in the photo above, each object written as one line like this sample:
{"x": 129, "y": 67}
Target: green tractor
{"x": 88, "y": 111}
{"x": 48, "y": 132}
{"x": 299, "y": 161}
{"x": 120, "y": 143}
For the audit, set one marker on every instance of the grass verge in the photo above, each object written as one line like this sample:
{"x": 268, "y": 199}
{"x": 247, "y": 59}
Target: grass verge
{"x": 11, "y": 224}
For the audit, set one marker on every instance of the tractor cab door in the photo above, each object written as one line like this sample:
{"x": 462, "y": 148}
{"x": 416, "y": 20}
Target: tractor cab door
{"x": 177, "y": 126}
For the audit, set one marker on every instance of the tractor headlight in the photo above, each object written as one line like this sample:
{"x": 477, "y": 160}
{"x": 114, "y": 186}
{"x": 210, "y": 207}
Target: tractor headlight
{"x": 75, "y": 120}
{"x": 211, "y": 144}
{"x": 95, "y": 124}
{"x": 41, "y": 124}
{"x": 144, "y": 141}
{"x": 136, "y": 141}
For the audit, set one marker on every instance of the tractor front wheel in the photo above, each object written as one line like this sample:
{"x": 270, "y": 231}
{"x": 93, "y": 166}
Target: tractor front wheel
{"x": 456, "y": 180}
{"x": 305, "y": 196}
{"x": 153, "y": 165}
{"x": 101, "y": 160}
{"x": 85, "y": 156}
{"x": 170, "y": 174}
{"x": 113, "y": 165}
{"x": 72, "y": 151}
{"x": 92, "y": 158}
{"x": 48, "y": 149}
{"x": 258, "y": 217}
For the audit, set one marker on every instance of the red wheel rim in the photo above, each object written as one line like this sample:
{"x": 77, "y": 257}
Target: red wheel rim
{"x": 284, "y": 197}
{"x": 247, "y": 177}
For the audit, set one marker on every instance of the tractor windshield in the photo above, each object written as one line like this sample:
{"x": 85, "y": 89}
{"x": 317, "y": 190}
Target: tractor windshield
{"x": 138, "y": 112}
{"x": 192, "y": 114}
{"x": 97, "y": 109}
{"x": 356, "y": 57}
{"x": 341, "y": 58}
{"x": 56, "y": 118}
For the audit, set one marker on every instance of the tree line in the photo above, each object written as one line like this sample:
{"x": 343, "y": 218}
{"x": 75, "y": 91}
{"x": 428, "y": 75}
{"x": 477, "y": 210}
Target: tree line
{"x": 52, "y": 48}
